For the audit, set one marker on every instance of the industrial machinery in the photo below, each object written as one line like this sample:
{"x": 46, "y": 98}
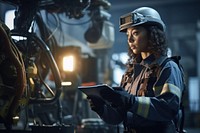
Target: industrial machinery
{"x": 38, "y": 76}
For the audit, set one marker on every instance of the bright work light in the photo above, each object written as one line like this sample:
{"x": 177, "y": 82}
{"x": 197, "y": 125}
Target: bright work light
{"x": 68, "y": 63}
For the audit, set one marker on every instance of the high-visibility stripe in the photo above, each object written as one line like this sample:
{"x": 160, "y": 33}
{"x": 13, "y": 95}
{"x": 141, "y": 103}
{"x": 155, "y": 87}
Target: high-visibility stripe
{"x": 171, "y": 88}
{"x": 143, "y": 106}
{"x": 157, "y": 90}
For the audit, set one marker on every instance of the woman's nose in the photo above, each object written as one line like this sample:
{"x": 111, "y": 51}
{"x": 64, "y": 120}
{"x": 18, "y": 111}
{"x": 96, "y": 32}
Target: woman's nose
{"x": 130, "y": 39}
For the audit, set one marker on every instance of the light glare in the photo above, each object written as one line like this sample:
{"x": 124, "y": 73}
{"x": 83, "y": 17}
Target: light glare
{"x": 68, "y": 63}
{"x": 66, "y": 83}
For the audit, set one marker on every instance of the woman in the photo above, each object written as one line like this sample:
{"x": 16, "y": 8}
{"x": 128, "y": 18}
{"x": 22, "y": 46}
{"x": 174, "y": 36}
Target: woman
{"x": 148, "y": 99}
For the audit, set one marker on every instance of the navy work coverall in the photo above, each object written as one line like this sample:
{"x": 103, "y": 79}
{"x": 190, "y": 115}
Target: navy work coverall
{"x": 157, "y": 99}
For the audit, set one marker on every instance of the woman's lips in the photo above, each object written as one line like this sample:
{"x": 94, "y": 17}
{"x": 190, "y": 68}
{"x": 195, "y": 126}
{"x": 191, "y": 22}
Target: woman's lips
{"x": 133, "y": 47}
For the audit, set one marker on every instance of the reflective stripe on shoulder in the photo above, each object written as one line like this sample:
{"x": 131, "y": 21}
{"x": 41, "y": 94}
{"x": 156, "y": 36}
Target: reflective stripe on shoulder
{"x": 171, "y": 88}
{"x": 143, "y": 106}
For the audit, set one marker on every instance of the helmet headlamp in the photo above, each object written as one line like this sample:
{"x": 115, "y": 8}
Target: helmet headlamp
{"x": 131, "y": 19}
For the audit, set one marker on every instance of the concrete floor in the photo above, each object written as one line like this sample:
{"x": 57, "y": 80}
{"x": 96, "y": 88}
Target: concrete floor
{"x": 191, "y": 130}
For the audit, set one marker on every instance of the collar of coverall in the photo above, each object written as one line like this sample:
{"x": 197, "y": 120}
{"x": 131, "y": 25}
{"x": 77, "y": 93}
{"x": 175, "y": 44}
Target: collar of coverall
{"x": 151, "y": 60}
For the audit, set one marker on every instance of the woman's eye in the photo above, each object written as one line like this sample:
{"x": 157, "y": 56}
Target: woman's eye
{"x": 135, "y": 33}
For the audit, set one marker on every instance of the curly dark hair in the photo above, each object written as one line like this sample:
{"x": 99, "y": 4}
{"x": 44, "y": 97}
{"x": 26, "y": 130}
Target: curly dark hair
{"x": 157, "y": 42}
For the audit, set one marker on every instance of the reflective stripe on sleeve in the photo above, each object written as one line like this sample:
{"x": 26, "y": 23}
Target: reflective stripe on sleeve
{"x": 143, "y": 106}
{"x": 171, "y": 88}
{"x": 157, "y": 90}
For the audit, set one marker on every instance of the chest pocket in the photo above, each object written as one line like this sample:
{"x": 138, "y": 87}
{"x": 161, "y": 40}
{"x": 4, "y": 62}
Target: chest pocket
{"x": 148, "y": 80}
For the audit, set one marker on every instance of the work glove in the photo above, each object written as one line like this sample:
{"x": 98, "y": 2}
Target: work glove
{"x": 96, "y": 104}
{"x": 118, "y": 97}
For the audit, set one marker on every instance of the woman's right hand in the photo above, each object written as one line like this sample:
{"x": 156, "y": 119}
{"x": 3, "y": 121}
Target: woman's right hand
{"x": 106, "y": 112}
{"x": 96, "y": 104}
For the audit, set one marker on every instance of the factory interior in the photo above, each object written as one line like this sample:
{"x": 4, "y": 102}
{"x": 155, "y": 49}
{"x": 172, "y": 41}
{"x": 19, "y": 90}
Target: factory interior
{"x": 48, "y": 34}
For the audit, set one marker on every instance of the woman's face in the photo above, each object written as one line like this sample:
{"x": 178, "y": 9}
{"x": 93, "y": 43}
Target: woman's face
{"x": 138, "y": 39}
